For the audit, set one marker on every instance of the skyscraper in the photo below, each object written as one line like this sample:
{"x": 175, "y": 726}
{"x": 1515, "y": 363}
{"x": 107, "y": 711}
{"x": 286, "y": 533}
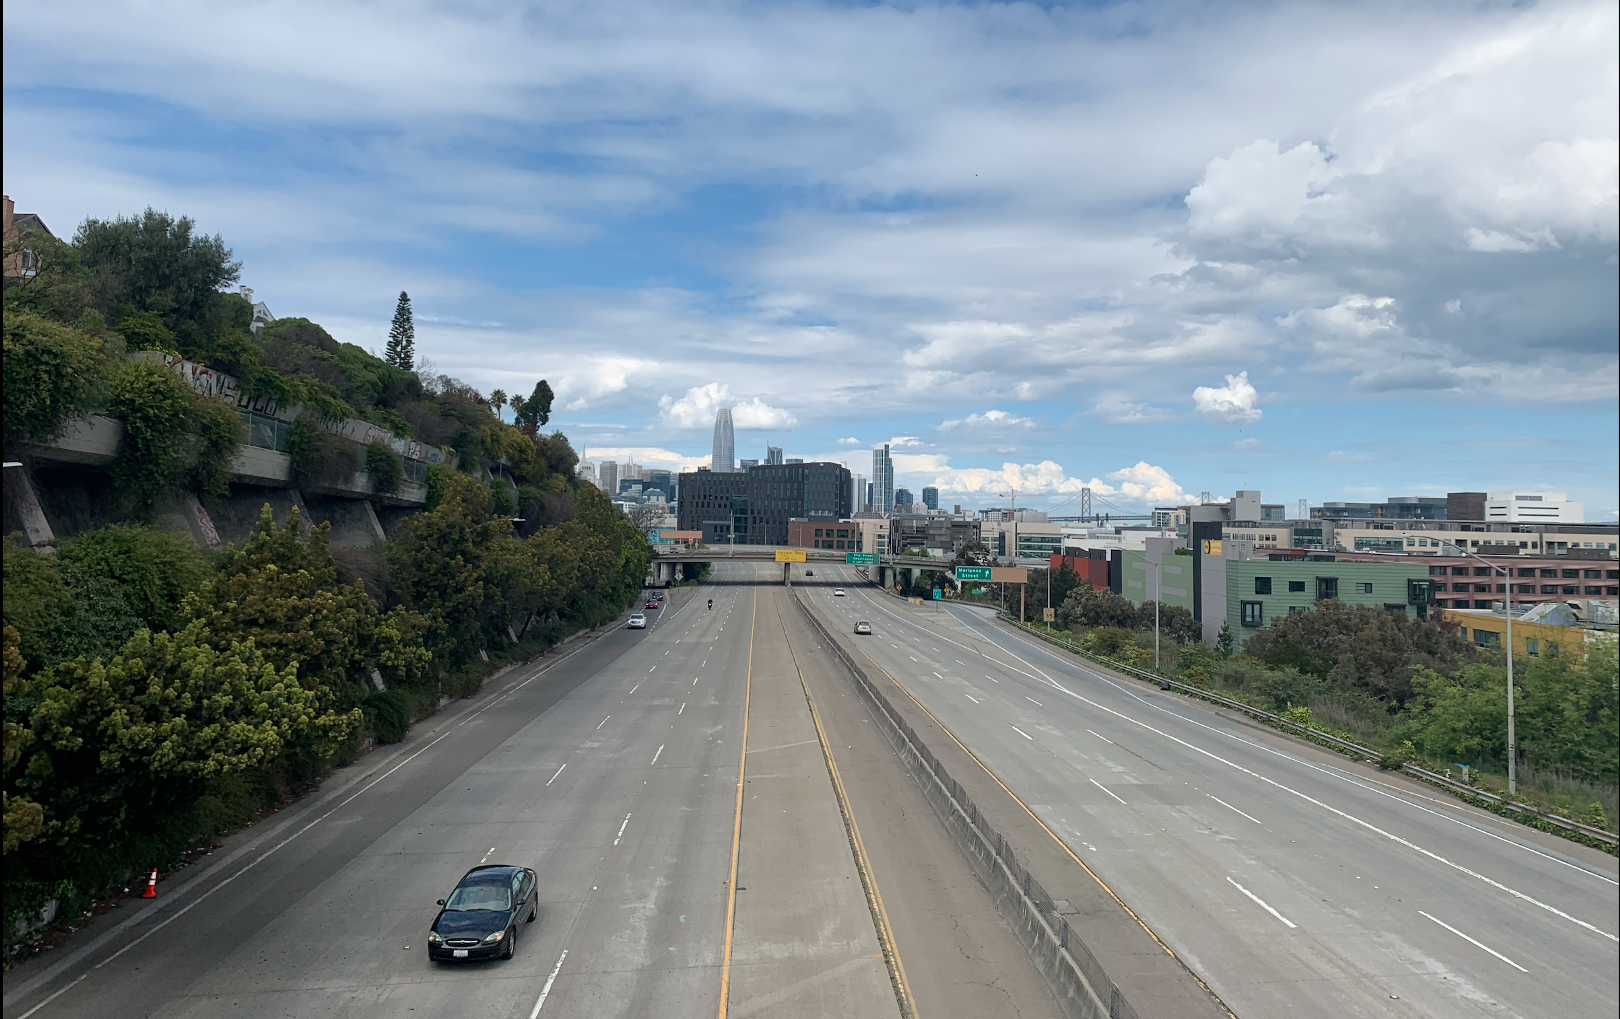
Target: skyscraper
{"x": 857, "y": 497}
{"x": 882, "y": 479}
{"x": 607, "y": 477}
{"x": 725, "y": 443}
{"x": 773, "y": 454}
{"x": 930, "y": 496}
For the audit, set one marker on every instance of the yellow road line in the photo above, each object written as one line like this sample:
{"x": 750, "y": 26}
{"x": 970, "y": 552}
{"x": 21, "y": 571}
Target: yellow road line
{"x": 736, "y": 828}
{"x": 863, "y": 863}
{"x": 1100, "y": 882}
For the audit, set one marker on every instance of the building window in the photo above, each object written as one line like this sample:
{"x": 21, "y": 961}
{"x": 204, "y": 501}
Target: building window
{"x": 1459, "y": 571}
{"x": 1296, "y": 586}
{"x": 1527, "y": 573}
{"x": 1439, "y": 587}
{"x": 1297, "y": 608}
{"x": 1570, "y": 590}
{"x": 1481, "y": 604}
{"x": 1532, "y": 647}
{"x": 1590, "y": 589}
{"x": 1525, "y": 588}
{"x": 1437, "y": 571}
{"x": 1482, "y": 571}
{"x": 1327, "y": 588}
{"x": 1549, "y": 588}
{"x": 1549, "y": 573}
{"x": 1592, "y": 574}
{"x": 1572, "y": 574}
{"x": 1252, "y": 615}
{"x": 1262, "y": 585}
{"x": 1487, "y": 638}
{"x": 1362, "y": 587}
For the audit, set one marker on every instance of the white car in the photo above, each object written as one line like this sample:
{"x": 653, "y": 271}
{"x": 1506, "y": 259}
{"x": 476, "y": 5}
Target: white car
{"x": 838, "y": 592}
{"x": 638, "y": 621}
{"x": 863, "y": 627}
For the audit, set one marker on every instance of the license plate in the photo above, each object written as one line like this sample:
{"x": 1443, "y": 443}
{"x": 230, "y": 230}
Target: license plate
{"x": 458, "y": 953}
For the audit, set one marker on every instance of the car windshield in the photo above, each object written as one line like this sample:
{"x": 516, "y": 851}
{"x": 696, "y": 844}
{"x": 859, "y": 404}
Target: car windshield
{"x": 481, "y": 897}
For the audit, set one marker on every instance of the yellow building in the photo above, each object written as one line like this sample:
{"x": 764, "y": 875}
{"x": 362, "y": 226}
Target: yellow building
{"x": 1552, "y": 635}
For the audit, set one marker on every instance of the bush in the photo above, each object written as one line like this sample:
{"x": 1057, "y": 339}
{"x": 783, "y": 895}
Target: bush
{"x": 217, "y": 433}
{"x": 319, "y": 458}
{"x": 53, "y": 373}
{"x": 390, "y": 714}
{"x": 154, "y": 571}
{"x": 153, "y": 406}
{"x": 387, "y": 473}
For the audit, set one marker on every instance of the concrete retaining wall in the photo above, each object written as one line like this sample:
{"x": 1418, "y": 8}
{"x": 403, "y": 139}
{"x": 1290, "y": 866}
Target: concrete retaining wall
{"x": 1073, "y": 973}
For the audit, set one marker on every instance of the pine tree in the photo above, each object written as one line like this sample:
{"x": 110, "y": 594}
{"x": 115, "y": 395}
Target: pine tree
{"x": 401, "y": 352}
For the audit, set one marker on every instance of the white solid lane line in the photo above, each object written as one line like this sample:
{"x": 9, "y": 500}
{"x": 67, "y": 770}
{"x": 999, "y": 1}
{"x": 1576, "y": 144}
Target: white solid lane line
{"x": 603, "y": 722}
{"x": 626, "y": 824}
{"x": 1021, "y": 732}
{"x": 1476, "y": 944}
{"x": 1262, "y": 903}
{"x": 545, "y": 991}
{"x": 971, "y": 698}
{"x": 1228, "y": 806}
{"x": 1107, "y": 790}
{"x": 1367, "y": 825}
{"x": 1100, "y": 736}
{"x": 553, "y": 778}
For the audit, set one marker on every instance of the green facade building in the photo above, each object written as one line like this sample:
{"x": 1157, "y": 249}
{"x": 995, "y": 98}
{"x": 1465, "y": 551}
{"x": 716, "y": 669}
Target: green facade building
{"x": 1260, "y": 590}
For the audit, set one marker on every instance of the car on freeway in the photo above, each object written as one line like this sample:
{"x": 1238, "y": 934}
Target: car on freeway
{"x": 838, "y": 592}
{"x": 863, "y": 627}
{"x": 481, "y": 918}
{"x": 652, "y": 603}
{"x": 638, "y": 621}
{"x": 809, "y": 573}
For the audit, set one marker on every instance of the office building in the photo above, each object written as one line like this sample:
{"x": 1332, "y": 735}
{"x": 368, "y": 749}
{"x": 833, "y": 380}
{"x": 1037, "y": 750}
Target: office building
{"x": 714, "y": 503}
{"x": 882, "y": 480}
{"x": 773, "y": 454}
{"x": 795, "y": 460}
{"x": 930, "y": 496}
{"x": 903, "y": 500}
{"x": 724, "y": 459}
{"x": 840, "y": 535}
{"x": 1397, "y": 508}
{"x": 1248, "y": 593}
{"x": 777, "y": 493}
{"x": 607, "y": 477}
{"x": 743, "y": 465}
{"x": 587, "y": 471}
{"x": 942, "y": 537}
{"x": 1533, "y": 508}
{"x": 857, "y": 495}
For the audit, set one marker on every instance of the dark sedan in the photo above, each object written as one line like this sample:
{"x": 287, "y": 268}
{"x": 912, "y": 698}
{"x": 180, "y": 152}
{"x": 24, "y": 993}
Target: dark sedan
{"x": 481, "y": 918}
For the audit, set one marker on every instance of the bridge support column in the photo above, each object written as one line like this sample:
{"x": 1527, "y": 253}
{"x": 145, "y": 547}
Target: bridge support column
{"x": 787, "y": 573}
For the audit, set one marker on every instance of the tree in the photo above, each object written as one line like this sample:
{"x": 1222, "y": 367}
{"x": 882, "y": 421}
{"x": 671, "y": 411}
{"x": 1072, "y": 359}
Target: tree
{"x": 23, "y": 817}
{"x": 645, "y": 515}
{"x": 1223, "y": 642}
{"x": 401, "y": 350}
{"x": 533, "y": 413}
{"x": 153, "y": 262}
{"x": 154, "y": 570}
{"x": 973, "y": 553}
{"x": 497, "y": 400}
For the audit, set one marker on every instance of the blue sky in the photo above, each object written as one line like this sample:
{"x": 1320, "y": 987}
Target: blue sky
{"x": 1330, "y": 251}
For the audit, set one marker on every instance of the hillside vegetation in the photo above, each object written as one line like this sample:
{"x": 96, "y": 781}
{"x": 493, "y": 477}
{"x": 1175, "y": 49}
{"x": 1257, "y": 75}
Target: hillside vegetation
{"x": 157, "y": 694}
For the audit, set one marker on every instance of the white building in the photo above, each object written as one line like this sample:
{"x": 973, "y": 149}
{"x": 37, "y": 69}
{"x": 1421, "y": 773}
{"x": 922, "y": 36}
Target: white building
{"x": 1533, "y": 508}
{"x": 587, "y": 471}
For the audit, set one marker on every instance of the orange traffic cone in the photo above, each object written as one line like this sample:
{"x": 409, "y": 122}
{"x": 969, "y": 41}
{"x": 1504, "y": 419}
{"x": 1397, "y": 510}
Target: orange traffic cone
{"x": 151, "y": 886}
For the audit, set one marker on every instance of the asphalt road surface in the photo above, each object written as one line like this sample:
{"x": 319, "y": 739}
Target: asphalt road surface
{"x": 1292, "y": 881}
{"x": 679, "y": 874}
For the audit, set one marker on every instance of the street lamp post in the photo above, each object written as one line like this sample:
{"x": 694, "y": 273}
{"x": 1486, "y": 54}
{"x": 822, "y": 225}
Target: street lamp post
{"x": 1507, "y": 605}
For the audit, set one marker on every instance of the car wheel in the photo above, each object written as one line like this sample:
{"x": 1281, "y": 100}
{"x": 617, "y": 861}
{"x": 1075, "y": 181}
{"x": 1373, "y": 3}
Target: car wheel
{"x": 532, "y": 914}
{"x": 511, "y": 943}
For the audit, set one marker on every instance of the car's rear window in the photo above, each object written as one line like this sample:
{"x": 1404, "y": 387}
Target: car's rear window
{"x": 481, "y": 896}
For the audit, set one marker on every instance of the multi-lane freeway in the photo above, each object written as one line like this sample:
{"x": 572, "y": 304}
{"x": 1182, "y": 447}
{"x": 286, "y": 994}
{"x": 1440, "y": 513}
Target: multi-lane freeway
{"x": 1293, "y": 882}
{"x": 721, "y": 829}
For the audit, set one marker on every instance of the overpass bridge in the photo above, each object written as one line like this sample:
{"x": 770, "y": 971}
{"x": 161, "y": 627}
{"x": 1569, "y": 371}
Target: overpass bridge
{"x": 881, "y": 571}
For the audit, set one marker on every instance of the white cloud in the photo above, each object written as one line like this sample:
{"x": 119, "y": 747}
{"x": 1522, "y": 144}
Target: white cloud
{"x": 1129, "y": 412}
{"x": 1235, "y": 403}
{"x": 850, "y": 441}
{"x": 646, "y": 456}
{"x": 698, "y": 407}
{"x": 1143, "y": 483}
{"x": 990, "y": 419}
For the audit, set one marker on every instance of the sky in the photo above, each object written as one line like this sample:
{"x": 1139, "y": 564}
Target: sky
{"x": 1330, "y": 251}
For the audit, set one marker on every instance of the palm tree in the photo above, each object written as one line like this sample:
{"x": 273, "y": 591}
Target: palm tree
{"x": 497, "y": 399}
{"x": 516, "y": 403}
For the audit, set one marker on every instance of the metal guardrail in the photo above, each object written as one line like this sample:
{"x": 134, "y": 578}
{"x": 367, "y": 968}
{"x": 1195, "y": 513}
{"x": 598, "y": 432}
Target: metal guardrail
{"x": 1317, "y": 735}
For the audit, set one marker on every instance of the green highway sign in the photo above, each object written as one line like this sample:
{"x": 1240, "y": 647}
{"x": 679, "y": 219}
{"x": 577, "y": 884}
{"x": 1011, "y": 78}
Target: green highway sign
{"x": 860, "y": 558}
{"x": 973, "y": 573}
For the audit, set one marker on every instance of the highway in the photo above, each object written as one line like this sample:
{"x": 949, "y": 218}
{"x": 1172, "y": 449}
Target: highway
{"x": 1292, "y": 881}
{"x": 679, "y": 875}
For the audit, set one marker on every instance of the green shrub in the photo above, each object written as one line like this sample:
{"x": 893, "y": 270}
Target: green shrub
{"x": 319, "y": 458}
{"x": 53, "y": 373}
{"x": 154, "y": 407}
{"x": 390, "y": 715}
{"x": 155, "y": 571}
{"x": 387, "y": 473}
{"x": 217, "y": 432}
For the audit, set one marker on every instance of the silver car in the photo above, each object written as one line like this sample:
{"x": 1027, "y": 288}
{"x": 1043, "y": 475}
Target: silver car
{"x": 638, "y": 621}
